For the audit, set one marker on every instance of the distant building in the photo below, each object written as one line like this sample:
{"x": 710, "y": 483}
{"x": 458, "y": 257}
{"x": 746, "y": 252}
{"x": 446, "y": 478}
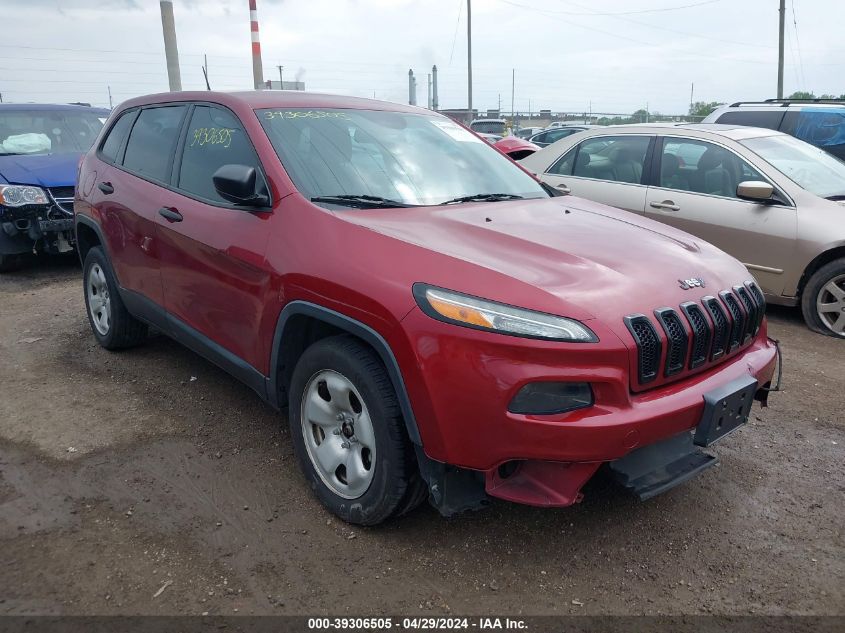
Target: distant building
{"x": 288, "y": 85}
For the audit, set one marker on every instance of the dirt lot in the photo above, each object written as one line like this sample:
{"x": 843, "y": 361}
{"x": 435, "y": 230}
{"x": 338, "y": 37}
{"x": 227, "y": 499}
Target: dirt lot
{"x": 123, "y": 472}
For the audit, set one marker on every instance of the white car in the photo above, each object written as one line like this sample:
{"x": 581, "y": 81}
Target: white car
{"x": 770, "y": 200}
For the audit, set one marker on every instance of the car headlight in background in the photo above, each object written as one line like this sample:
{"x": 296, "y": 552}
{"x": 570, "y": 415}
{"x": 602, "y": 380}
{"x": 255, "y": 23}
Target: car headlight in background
{"x": 21, "y": 195}
{"x": 472, "y": 312}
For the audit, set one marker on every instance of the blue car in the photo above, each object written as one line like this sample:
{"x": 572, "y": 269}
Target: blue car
{"x": 40, "y": 147}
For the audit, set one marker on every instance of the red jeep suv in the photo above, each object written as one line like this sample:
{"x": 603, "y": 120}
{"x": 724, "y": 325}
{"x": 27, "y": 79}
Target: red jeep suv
{"x": 437, "y": 323}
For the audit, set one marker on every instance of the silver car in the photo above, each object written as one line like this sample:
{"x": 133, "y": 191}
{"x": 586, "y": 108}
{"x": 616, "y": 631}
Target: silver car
{"x": 772, "y": 201}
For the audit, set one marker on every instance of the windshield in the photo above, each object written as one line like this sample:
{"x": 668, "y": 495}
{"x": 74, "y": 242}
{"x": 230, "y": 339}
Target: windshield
{"x": 809, "y": 167}
{"x": 48, "y": 131}
{"x": 413, "y": 159}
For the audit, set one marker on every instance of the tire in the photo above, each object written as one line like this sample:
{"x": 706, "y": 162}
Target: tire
{"x": 8, "y": 263}
{"x": 826, "y": 287}
{"x": 361, "y": 467}
{"x": 112, "y": 325}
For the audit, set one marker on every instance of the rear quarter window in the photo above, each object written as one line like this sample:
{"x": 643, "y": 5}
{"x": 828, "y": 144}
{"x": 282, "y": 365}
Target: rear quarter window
{"x": 115, "y": 136}
{"x": 767, "y": 119}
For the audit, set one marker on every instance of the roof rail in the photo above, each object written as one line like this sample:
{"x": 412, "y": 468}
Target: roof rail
{"x": 787, "y": 102}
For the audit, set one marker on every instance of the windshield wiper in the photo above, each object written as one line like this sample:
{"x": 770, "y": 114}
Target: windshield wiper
{"x": 361, "y": 201}
{"x": 837, "y": 197}
{"x": 484, "y": 197}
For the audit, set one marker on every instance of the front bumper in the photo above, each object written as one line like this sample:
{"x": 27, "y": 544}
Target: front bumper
{"x": 39, "y": 228}
{"x": 469, "y": 378}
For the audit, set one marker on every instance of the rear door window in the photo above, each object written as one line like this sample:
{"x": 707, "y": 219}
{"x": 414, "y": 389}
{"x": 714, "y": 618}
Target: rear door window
{"x": 115, "y": 137}
{"x": 215, "y": 138}
{"x": 149, "y": 151}
{"x": 615, "y": 158}
{"x": 754, "y": 118}
{"x": 563, "y": 167}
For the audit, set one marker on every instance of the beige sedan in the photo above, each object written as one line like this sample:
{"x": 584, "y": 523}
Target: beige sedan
{"x": 775, "y": 203}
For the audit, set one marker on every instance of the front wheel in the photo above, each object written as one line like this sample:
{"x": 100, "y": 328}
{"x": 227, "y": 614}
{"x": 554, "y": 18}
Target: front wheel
{"x": 113, "y": 326}
{"x": 823, "y": 299}
{"x": 348, "y": 432}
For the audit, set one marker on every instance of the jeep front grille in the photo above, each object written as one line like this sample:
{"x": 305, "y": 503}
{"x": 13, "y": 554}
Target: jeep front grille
{"x": 721, "y": 327}
{"x": 738, "y": 318}
{"x": 701, "y": 334}
{"x": 710, "y": 330}
{"x": 676, "y": 337}
{"x": 648, "y": 346}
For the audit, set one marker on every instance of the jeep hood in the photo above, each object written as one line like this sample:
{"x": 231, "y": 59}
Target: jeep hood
{"x": 586, "y": 259}
{"x": 42, "y": 170}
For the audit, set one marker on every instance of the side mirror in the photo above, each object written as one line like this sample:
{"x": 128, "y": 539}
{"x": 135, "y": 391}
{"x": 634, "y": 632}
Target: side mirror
{"x": 755, "y": 190}
{"x": 236, "y": 183}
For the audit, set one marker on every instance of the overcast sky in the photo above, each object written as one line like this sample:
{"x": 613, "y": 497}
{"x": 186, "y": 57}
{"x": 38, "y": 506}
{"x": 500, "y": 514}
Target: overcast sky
{"x": 618, "y": 55}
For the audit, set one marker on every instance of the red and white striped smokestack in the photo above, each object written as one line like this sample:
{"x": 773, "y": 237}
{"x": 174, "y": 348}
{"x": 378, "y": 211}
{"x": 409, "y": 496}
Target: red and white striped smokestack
{"x": 257, "y": 68}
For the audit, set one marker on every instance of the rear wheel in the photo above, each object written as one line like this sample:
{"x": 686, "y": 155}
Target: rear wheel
{"x": 113, "y": 326}
{"x": 348, "y": 432}
{"x": 823, "y": 299}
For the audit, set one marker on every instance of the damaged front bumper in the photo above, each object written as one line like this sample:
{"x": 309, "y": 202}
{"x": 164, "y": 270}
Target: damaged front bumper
{"x": 45, "y": 228}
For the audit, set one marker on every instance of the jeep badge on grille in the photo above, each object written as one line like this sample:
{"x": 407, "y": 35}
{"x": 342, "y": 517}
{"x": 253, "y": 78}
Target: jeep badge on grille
{"x": 693, "y": 282}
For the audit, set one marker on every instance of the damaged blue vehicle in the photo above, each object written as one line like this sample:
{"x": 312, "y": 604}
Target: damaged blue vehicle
{"x": 40, "y": 147}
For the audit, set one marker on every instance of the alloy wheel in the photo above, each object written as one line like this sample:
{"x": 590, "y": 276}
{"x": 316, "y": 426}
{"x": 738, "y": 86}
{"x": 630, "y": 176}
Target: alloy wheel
{"x": 339, "y": 435}
{"x": 99, "y": 301}
{"x": 830, "y": 305}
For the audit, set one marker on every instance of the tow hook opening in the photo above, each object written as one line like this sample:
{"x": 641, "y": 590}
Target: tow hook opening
{"x": 508, "y": 469}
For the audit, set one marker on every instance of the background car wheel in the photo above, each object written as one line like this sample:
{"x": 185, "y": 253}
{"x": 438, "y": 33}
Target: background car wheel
{"x": 823, "y": 300}
{"x": 8, "y": 263}
{"x": 348, "y": 432}
{"x": 113, "y": 326}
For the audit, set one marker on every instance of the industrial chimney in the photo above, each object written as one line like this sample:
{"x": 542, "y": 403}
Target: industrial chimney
{"x": 434, "y": 103}
{"x": 257, "y": 69}
{"x": 412, "y": 88}
{"x": 171, "y": 51}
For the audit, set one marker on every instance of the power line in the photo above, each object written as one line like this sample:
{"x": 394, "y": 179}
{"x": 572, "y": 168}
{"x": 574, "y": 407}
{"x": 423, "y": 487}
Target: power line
{"x": 798, "y": 46}
{"x": 611, "y": 13}
{"x": 457, "y": 24}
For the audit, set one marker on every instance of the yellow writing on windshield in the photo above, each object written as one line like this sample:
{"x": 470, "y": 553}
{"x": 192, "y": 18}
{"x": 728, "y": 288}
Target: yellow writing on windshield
{"x": 212, "y": 136}
{"x": 304, "y": 114}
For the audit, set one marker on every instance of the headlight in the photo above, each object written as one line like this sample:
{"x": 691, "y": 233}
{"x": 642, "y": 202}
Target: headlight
{"x": 20, "y": 195}
{"x": 472, "y": 312}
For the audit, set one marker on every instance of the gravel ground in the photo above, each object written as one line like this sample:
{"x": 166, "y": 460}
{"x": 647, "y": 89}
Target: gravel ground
{"x": 150, "y": 482}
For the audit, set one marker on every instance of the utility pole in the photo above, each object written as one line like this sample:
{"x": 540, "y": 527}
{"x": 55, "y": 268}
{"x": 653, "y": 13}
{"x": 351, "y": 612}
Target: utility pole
{"x": 171, "y": 50}
{"x": 513, "y": 88}
{"x": 428, "y": 102}
{"x": 780, "y": 49}
{"x": 469, "y": 61}
{"x": 281, "y": 82}
{"x": 111, "y": 105}
{"x": 205, "y": 71}
{"x": 691, "y": 92}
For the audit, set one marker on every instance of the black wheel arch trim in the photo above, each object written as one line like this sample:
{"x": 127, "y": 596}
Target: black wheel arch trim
{"x": 91, "y": 224}
{"x": 356, "y": 328}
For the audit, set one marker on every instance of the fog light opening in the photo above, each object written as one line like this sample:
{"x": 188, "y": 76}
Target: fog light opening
{"x": 550, "y": 398}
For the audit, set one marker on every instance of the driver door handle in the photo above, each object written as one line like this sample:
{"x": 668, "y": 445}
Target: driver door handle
{"x": 105, "y": 187}
{"x": 170, "y": 214}
{"x": 668, "y": 205}
{"x": 563, "y": 188}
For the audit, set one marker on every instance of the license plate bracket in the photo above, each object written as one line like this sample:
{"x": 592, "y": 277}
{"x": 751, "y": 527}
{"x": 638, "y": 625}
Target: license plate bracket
{"x": 725, "y": 410}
